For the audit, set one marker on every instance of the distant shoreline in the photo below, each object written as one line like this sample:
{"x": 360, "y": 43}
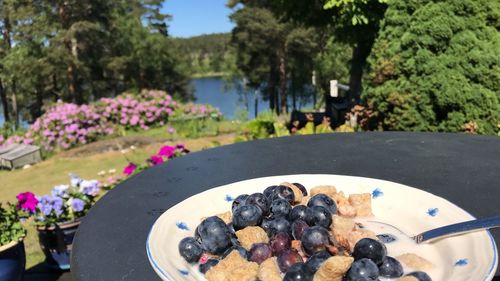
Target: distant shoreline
{"x": 209, "y": 75}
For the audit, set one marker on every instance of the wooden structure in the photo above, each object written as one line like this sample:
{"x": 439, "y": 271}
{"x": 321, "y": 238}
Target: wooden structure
{"x": 18, "y": 155}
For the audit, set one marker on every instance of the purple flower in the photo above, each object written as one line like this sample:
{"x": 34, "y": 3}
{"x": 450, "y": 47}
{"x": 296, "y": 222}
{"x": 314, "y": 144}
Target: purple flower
{"x": 60, "y": 191}
{"x": 75, "y": 180}
{"x": 44, "y": 204}
{"x": 27, "y": 202}
{"x": 129, "y": 169}
{"x": 167, "y": 151}
{"x": 89, "y": 187}
{"x": 57, "y": 205}
{"x": 156, "y": 160}
{"x": 77, "y": 204}
{"x": 171, "y": 130}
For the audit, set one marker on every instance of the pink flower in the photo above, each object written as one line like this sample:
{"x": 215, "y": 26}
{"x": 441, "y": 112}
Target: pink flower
{"x": 27, "y": 202}
{"x": 156, "y": 160}
{"x": 171, "y": 130}
{"x": 129, "y": 169}
{"x": 166, "y": 151}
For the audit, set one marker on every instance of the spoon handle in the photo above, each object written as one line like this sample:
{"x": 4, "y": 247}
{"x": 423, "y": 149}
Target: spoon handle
{"x": 485, "y": 223}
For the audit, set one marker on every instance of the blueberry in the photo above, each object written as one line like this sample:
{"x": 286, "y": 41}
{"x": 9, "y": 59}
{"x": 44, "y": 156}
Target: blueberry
{"x": 390, "y": 268}
{"x": 266, "y": 224}
{"x": 278, "y": 225}
{"x": 315, "y": 239}
{"x": 240, "y": 250}
{"x": 260, "y": 252}
{"x": 248, "y": 215}
{"x": 300, "y": 212}
{"x": 239, "y": 201}
{"x": 203, "y": 268}
{"x": 280, "y": 208}
{"x": 299, "y": 272}
{"x": 420, "y": 275}
{"x": 386, "y": 238}
{"x": 215, "y": 235}
{"x": 269, "y": 191}
{"x": 283, "y": 192}
{"x": 280, "y": 242}
{"x": 363, "y": 269}
{"x": 298, "y": 228}
{"x": 190, "y": 249}
{"x": 301, "y": 187}
{"x": 315, "y": 261}
{"x": 259, "y": 200}
{"x": 323, "y": 200}
{"x": 287, "y": 259}
{"x": 371, "y": 249}
{"x": 321, "y": 216}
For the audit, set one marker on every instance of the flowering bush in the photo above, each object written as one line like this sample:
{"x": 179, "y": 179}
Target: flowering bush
{"x": 11, "y": 228}
{"x": 65, "y": 203}
{"x": 191, "y": 110}
{"x": 150, "y": 108}
{"x": 166, "y": 152}
{"x": 65, "y": 125}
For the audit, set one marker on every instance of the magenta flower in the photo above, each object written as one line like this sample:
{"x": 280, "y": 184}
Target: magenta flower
{"x": 156, "y": 160}
{"x": 167, "y": 151}
{"x": 129, "y": 169}
{"x": 27, "y": 202}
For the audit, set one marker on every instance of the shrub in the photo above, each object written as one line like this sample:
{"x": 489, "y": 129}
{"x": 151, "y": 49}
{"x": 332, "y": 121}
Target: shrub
{"x": 435, "y": 66}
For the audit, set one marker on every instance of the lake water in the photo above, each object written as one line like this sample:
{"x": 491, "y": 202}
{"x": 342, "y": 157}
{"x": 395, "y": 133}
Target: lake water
{"x": 228, "y": 98}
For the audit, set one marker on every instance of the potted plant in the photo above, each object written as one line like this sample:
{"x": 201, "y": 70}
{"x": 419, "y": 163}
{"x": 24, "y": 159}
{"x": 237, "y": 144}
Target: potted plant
{"x": 12, "y": 255}
{"x": 58, "y": 215}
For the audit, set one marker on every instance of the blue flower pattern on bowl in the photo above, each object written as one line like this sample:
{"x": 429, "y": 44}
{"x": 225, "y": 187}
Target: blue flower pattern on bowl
{"x": 432, "y": 212}
{"x": 182, "y": 226}
{"x": 228, "y": 198}
{"x": 183, "y": 272}
{"x": 462, "y": 262}
{"x": 377, "y": 192}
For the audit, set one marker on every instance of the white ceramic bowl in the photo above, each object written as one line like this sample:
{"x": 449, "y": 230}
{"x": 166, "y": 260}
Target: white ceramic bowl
{"x": 466, "y": 257}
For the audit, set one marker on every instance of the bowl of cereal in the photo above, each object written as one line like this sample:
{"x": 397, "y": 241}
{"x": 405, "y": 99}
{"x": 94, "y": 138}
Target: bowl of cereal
{"x": 315, "y": 227}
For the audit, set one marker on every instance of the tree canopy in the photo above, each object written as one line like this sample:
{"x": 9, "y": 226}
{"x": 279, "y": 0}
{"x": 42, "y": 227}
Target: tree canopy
{"x": 78, "y": 51}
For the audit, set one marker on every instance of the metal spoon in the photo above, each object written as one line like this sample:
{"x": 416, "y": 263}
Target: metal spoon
{"x": 466, "y": 226}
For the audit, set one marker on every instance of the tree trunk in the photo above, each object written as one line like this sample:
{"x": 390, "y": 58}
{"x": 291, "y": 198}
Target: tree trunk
{"x": 273, "y": 77}
{"x": 256, "y": 103}
{"x": 15, "y": 110}
{"x": 37, "y": 110}
{"x": 5, "y": 102}
{"x": 283, "y": 93}
{"x": 359, "y": 55}
{"x": 3, "y": 95}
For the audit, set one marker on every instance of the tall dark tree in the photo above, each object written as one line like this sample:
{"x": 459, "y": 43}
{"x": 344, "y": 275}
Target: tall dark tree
{"x": 268, "y": 48}
{"x": 354, "y": 22}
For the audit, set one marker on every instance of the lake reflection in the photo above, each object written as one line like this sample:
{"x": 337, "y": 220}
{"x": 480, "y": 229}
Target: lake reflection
{"x": 228, "y": 98}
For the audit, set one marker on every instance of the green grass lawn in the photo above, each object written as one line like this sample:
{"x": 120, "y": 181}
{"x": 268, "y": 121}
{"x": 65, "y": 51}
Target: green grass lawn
{"x": 41, "y": 177}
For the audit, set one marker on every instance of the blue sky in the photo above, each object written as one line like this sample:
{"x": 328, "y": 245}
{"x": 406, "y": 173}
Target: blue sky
{"x": 196, "y": 17}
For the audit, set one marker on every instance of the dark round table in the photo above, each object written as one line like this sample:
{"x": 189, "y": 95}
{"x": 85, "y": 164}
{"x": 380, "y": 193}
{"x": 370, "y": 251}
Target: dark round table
{"x": 110, "y": 242}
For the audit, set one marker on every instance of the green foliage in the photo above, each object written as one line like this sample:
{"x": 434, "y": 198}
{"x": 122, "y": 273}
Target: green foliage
{"x": 207, "y": 54}
{"x": 263, "y": 126}
{"x": 436, "y": 67}
{"x": 272, "y": 51}
{"x": 196, "y": 127}
{"x": 11, "y": 228}
{"x": 79, "y": 51}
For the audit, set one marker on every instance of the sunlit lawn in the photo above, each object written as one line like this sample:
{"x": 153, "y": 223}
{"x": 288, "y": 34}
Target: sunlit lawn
{"x": 40, "y": 178}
